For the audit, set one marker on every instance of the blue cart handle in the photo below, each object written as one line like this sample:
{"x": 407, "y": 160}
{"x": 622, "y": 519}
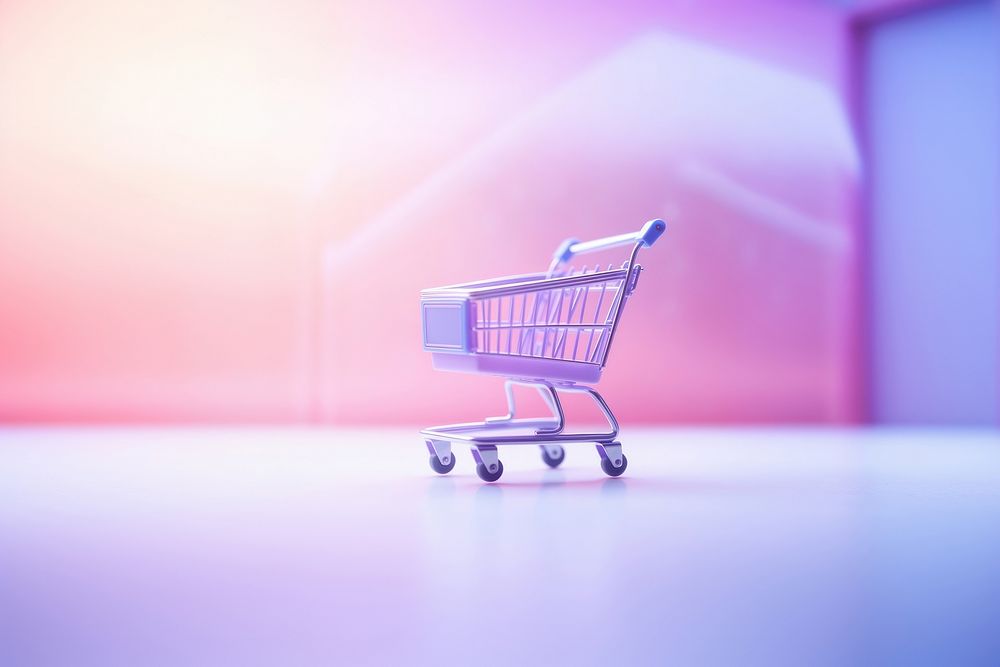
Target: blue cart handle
{"x": 647, "y": 236}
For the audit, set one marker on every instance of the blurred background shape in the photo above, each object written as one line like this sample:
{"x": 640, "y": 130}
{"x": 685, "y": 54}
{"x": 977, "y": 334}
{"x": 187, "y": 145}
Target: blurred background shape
{"x": 932, "y": 108}
{"x": 224, "y": 211}
{"x": 743, "y": 311}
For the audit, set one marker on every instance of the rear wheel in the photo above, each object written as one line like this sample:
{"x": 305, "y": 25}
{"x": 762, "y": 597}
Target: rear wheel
{"x": 489, "y": 475}
{"x": 442, "y": 468}
{"x": 553, "y": 461}
{"x": 608, "y": 466}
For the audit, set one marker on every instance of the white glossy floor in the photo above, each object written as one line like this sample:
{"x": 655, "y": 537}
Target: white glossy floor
{"x": 286, "y": 547}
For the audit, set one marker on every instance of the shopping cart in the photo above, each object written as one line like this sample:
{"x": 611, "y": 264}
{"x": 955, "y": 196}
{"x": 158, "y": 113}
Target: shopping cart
{"x": 550, "y": 331}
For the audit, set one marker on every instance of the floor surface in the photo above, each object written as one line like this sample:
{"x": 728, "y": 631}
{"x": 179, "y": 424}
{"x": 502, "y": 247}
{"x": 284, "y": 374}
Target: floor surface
{"x": 287, "y": 547}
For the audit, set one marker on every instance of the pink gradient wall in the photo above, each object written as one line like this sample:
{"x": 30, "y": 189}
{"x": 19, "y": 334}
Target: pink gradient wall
{"x": 225, "y": 211}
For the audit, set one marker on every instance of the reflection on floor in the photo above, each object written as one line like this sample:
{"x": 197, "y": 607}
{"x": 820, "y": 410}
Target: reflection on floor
{"x": 285, "y": 547}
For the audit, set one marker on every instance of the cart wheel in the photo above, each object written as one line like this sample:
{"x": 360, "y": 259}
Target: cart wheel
{"x": 553, "y": 462}
{"x": 442, "y": 468}
{"x": 609, "y": 468}
{"x": 488, "y": 476}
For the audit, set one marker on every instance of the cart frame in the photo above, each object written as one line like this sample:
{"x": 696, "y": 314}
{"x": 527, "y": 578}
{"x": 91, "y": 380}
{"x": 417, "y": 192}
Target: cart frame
{"x": 460, "y": 331}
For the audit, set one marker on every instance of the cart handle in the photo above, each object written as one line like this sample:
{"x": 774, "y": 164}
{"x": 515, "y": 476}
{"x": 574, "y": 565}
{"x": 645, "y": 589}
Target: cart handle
{"x": 646, "y": 237}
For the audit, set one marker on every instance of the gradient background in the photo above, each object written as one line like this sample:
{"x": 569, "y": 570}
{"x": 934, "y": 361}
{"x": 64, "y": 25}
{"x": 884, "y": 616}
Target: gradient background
{"x": 224, "y": 212}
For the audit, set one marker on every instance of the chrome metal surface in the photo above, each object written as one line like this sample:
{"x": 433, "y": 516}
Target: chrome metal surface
{"x": 510, "y": 430}
{"x": 546, "y": 331}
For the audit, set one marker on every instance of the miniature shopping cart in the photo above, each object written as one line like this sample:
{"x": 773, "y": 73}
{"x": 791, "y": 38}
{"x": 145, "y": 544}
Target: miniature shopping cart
{"x": 551, "y": 331}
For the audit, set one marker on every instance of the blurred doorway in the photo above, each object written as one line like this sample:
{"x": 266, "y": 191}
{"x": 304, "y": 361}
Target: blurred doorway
{"x": 933, "y": 122}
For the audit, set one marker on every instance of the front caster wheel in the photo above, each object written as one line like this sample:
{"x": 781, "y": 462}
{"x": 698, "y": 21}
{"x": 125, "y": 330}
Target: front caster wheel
{"x": 442, "y": 468}
{"x": 487, "y": 475}
{"x": 553, "y": 461}
{"x": 608, "y": 466}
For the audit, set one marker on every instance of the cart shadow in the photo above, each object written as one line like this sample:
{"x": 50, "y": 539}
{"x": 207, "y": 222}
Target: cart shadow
{"x": 439, "y": 487}
{"x": 553, "y": 481}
